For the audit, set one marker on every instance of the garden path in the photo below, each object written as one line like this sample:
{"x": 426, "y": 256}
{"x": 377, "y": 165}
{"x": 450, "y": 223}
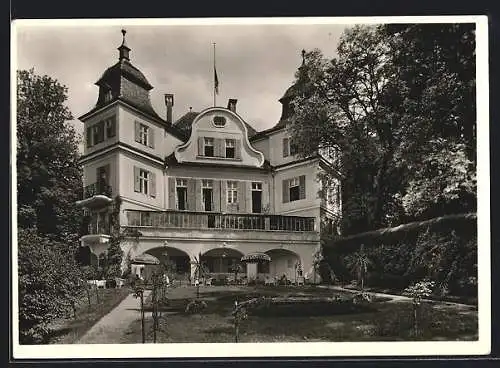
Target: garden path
{"x": 110, "y": 328}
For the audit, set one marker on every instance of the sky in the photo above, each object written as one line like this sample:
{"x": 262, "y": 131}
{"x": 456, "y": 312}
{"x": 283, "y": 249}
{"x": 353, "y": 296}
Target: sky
{"x": 255, "y": 62}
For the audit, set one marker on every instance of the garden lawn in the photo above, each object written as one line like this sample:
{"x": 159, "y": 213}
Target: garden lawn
{"x": 387, "y": 321}
{"x": 70, "y": 330}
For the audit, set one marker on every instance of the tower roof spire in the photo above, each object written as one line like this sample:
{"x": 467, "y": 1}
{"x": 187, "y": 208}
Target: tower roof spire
{"x": 124, "y": 49}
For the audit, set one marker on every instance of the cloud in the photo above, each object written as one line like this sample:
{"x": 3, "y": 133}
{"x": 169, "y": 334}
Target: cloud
{"x": 255, "y": 63}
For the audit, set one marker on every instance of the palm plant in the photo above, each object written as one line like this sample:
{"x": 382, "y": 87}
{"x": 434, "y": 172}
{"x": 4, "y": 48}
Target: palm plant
{"x": 200, "y": 271}
{"x": 359, "y": 265}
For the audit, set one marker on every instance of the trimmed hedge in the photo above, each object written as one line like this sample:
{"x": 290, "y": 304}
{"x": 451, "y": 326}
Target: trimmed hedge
{"x": 443, "y": 250}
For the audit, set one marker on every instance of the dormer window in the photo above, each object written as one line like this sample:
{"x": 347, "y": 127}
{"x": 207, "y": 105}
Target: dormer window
{"x": 289, "y": 147}
{"x": 219, "y": 121}
{"x": 208, "y": 147}
{"x": 108, "y": 95}
{"x": 230, "y": 148}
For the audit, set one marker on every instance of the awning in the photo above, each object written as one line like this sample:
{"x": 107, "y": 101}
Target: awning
{"x": 256, "y": 257}
{"x": 145, "y": 259}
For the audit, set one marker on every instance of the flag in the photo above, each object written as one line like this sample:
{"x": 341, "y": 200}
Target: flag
{"x": 216, "y": 81}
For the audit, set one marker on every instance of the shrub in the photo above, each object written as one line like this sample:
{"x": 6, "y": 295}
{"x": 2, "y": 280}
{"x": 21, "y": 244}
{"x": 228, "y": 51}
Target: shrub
{"x": 196, "y": 306}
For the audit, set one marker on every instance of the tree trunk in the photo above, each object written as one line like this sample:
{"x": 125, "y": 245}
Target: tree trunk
{"x": 415, "y": 320}
{"x": 142, "y": 319}
{"x": 236, "y": 332}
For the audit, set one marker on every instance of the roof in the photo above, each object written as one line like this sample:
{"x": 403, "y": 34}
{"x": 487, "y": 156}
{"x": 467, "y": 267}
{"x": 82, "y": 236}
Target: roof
{"x": 185, "y": 122}
{"x": 145, "y": 258}
{"x": 125, "y": 68}
{"x": 150, "y": 113}
{"x": 172, "y": 160}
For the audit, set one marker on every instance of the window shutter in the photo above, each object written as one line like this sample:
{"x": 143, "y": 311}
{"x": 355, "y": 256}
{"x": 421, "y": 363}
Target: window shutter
{"x": 219, "y": 147}
{"x": 100, "y": 129}
{"x": 137, "y": 185}
{"x": 223, "y": 191}
{"x": 191, "y": 194}
{"x": 242, "y": 196}
{"x": 153, "y": 184}
{"x": 137, "y": 132}
{"x": 285, "y": 147}
{"x": 171, "y": 194}
{"x": 237, "y": 149}
{"x": 302, "y": 187}
{"x": 200, "y": 146}
{"x": 286, "y": 193}
{"x": 197, "y": 196}
{"x": 112, "y": 121}
{"x": 151, "y": 138}
{"x": 89, "y": 137}
{"x": 217, "y": 195}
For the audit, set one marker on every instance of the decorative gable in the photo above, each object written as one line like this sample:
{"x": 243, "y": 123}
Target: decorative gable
{"x": 219, "y": 136}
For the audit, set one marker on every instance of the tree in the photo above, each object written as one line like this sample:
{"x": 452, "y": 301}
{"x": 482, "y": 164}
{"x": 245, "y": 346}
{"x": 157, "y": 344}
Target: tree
{"x": 48, "y": 178}
{"x": 395, "y": 100}
{"x": 358, "y": 263}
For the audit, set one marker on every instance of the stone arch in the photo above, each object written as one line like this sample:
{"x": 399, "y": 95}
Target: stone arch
{"x": 222, "y": 260}
{"x": 177, "y": 261}
{"x": 283, "y": 263}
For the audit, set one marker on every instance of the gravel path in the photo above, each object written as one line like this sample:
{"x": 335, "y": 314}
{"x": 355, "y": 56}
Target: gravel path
{"x": 110, "y": 328}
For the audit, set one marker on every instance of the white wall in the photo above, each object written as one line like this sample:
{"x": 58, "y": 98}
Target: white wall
{"x": 104, "y": 114}
{"x": 90, "y": 171}
{"x": 234, "y": 128}
{"x": 164, "y": 143}
{"x": 126, "y": 163}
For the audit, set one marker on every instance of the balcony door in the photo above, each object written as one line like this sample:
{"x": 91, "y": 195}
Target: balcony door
{"x": 256, "y": 197}
{"x": 207, "y": 200}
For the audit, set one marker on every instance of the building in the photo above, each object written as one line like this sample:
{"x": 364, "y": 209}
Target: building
{"x": 207, "y": 184}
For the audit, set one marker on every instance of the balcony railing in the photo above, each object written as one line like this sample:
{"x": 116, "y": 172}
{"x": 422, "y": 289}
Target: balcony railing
{"x": 97, "y": 226}
{"x": 95, "y": 189}
{"x": 214, "y": 220}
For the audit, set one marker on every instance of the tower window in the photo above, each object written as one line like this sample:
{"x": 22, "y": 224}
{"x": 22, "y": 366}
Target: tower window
{"x": 110, "y": 127}
{"x": 208, "y": 147}
{"x": 143, "y": 134}
{"x": 144, "y": 181}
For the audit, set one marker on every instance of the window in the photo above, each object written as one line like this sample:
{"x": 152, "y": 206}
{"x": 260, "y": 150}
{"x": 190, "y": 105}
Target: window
{"x": 219, "y": 121}
{"x": 208, "y": 149}
{"x": 290, "y": 263}
{"x": 95, "y": 134}
{"x": 143, "y": 181}
{"x": 293, "y": 148}
{"x": 294, "y": 189}
{"x": 289, "y": 147}
{"x": 230, "y": 148}
{"x": 143, "y": 134}
{"x": 232, "y": 192}
{"x": 205, "y": 183}
{"x": 110, "y": 127}
{"x": 256, "y": 186}
{"x": 181, "y": 191}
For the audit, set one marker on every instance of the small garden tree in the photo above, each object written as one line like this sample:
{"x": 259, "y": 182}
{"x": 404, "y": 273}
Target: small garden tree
{"x": 200, "y": 271}
{"x": 417, "y": 292}
{"x": 359, "y": 263}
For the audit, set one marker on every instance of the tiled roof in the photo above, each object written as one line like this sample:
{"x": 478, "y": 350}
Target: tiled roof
{"x": 125, "y": 68}
{"x": 185, "y": 121}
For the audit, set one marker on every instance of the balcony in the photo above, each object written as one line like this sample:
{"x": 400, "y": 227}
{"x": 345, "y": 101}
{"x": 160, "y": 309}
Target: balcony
{"x": 97, "y": 232}
{"x": 215, "y": 221}
{"x": 96, "y": 195}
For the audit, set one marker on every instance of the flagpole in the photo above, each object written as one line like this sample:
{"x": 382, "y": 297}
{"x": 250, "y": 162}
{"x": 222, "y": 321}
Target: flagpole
{"x": 214, "y": 79}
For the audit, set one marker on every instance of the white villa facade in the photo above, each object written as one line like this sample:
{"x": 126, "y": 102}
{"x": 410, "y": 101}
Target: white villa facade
{"x": 207, "y": 184}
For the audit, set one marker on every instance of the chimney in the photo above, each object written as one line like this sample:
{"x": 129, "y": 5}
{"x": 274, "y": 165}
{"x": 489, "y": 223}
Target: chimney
{"x": 169, "y": 102}
{"x": 231, "y": 104}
